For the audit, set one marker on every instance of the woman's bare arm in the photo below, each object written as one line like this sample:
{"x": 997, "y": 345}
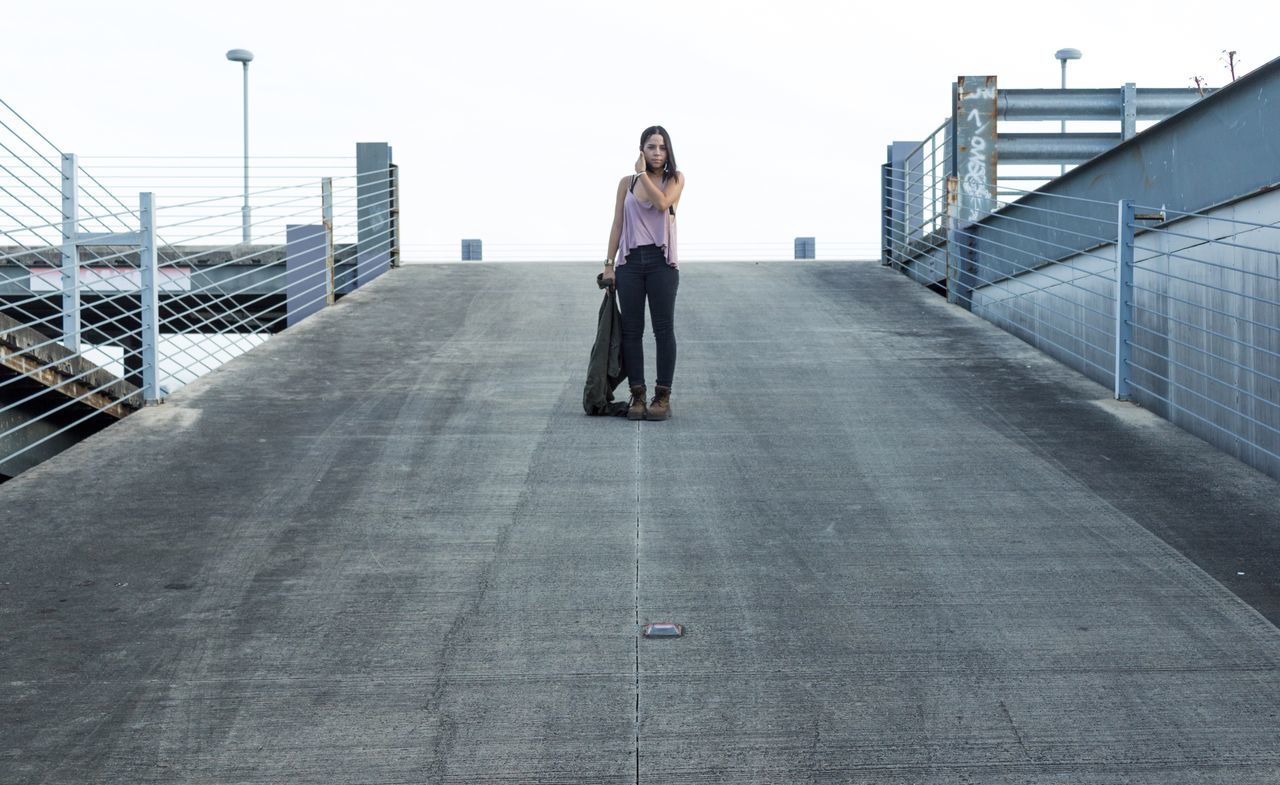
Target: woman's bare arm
{"x": 655, "y": 195}
{"x": 615, "y": 234}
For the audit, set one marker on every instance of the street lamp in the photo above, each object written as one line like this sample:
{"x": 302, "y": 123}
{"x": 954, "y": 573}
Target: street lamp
{"x": 1063, "y": 56}
{"x": 244, "y": 57}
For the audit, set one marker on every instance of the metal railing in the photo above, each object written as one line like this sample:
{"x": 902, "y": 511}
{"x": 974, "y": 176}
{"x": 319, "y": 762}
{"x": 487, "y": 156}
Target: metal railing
{"x": 106, "y": 306}
{"x": 1194, "y": 335}
{"x": 918, "y": 187}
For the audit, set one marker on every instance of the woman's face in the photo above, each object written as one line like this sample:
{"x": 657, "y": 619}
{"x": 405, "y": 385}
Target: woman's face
{"x": 655, "y": 151}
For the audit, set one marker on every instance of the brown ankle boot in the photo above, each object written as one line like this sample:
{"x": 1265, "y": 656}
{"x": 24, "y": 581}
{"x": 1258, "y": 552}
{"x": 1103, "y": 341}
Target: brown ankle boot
{"x": 637, "y": 410}
{"x": 660, "y": 406}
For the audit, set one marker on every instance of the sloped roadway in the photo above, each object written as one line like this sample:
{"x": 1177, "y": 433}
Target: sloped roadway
{"x": 387, "y": 547}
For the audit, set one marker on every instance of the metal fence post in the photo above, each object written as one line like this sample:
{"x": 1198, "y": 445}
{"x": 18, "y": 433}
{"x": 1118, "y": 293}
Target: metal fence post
{"x": 326, "y": 212}
{"x": 953, "y": 250}
{"x": 70, "y": 252}
{"x": 395, "y": 215}
{"x": 150, "y": 296}
{"x": 886, "y": 210}
{"x": 1129, "y": 110}
{"x": 1124, "y": 295}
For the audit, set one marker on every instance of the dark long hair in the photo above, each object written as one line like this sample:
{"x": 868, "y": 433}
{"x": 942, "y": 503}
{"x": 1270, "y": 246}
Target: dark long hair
{"x": 669, "y": 167}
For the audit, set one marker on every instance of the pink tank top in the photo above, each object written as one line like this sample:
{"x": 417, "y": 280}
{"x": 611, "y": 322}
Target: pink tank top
{"x": 644, "y": 224}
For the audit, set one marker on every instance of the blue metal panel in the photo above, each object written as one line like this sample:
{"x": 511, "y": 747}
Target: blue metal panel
{"x": 306, "y": 274}
{"x": 373, "y": 210}
{"x": 899, "y": 154}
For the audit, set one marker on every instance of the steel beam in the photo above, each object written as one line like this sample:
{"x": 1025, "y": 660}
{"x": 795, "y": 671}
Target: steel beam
{"x": 1152, "y": 103}
{"x": 1052, "y": 148}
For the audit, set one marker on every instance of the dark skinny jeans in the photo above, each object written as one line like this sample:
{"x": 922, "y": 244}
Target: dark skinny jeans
{"x": 647, "y": 275}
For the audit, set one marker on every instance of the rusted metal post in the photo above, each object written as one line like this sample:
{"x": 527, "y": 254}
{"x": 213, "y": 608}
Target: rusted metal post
{"x": 975, "y": 124}
{"x": 953, "y": 256}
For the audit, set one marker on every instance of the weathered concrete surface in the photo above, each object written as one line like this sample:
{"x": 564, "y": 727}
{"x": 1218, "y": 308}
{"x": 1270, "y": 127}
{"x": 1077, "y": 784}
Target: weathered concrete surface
{"x": 387, "y": 547}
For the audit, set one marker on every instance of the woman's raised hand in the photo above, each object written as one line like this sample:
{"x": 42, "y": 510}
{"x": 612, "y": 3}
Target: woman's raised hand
{"x": 640, "y": 167}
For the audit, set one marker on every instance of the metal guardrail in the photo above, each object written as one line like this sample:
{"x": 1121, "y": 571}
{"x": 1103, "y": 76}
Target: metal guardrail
{"x": 1194, "y": 334}
{"x": 919, "y": 187}
{"x": 977, "y": 147}
{"x": 105, "y": 307}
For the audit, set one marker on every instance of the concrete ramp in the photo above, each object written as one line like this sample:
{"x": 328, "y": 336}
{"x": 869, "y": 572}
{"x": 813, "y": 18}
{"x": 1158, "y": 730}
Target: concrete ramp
{"x": 388, "y": 547}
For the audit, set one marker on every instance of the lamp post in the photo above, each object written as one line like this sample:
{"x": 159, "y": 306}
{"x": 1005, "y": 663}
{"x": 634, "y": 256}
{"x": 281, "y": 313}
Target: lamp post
{"x": 1063, "y": 56}
{"x": 244, "y": 57}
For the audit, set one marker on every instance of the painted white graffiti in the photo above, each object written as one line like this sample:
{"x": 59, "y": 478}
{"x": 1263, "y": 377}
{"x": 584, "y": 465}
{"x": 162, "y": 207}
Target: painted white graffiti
{"x": 976, "y": 184}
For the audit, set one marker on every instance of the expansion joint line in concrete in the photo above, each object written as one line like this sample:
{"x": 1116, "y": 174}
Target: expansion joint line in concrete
{"x": 637, "y": 601}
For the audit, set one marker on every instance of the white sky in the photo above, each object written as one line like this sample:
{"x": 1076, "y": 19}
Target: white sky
{"x": 512, "y": 121}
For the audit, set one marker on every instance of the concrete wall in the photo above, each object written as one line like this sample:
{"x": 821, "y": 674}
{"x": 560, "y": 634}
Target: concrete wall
{"x": 1213, "y": 374}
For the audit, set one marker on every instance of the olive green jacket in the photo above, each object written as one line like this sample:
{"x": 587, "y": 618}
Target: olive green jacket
{"x": 604, "y": 370}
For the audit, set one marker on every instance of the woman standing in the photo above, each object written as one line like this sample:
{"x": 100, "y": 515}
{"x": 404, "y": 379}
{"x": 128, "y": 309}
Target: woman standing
{"x": 644, "y": 230}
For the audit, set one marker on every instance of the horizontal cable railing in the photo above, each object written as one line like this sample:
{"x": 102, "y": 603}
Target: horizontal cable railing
{"x": 110, "y": 299}
{"x": 922, "y": 183}
{"x": 1194, "y": 333}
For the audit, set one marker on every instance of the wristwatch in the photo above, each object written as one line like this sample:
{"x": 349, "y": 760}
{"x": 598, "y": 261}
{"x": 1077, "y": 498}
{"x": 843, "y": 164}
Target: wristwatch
{"x": 608, "y": 262}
